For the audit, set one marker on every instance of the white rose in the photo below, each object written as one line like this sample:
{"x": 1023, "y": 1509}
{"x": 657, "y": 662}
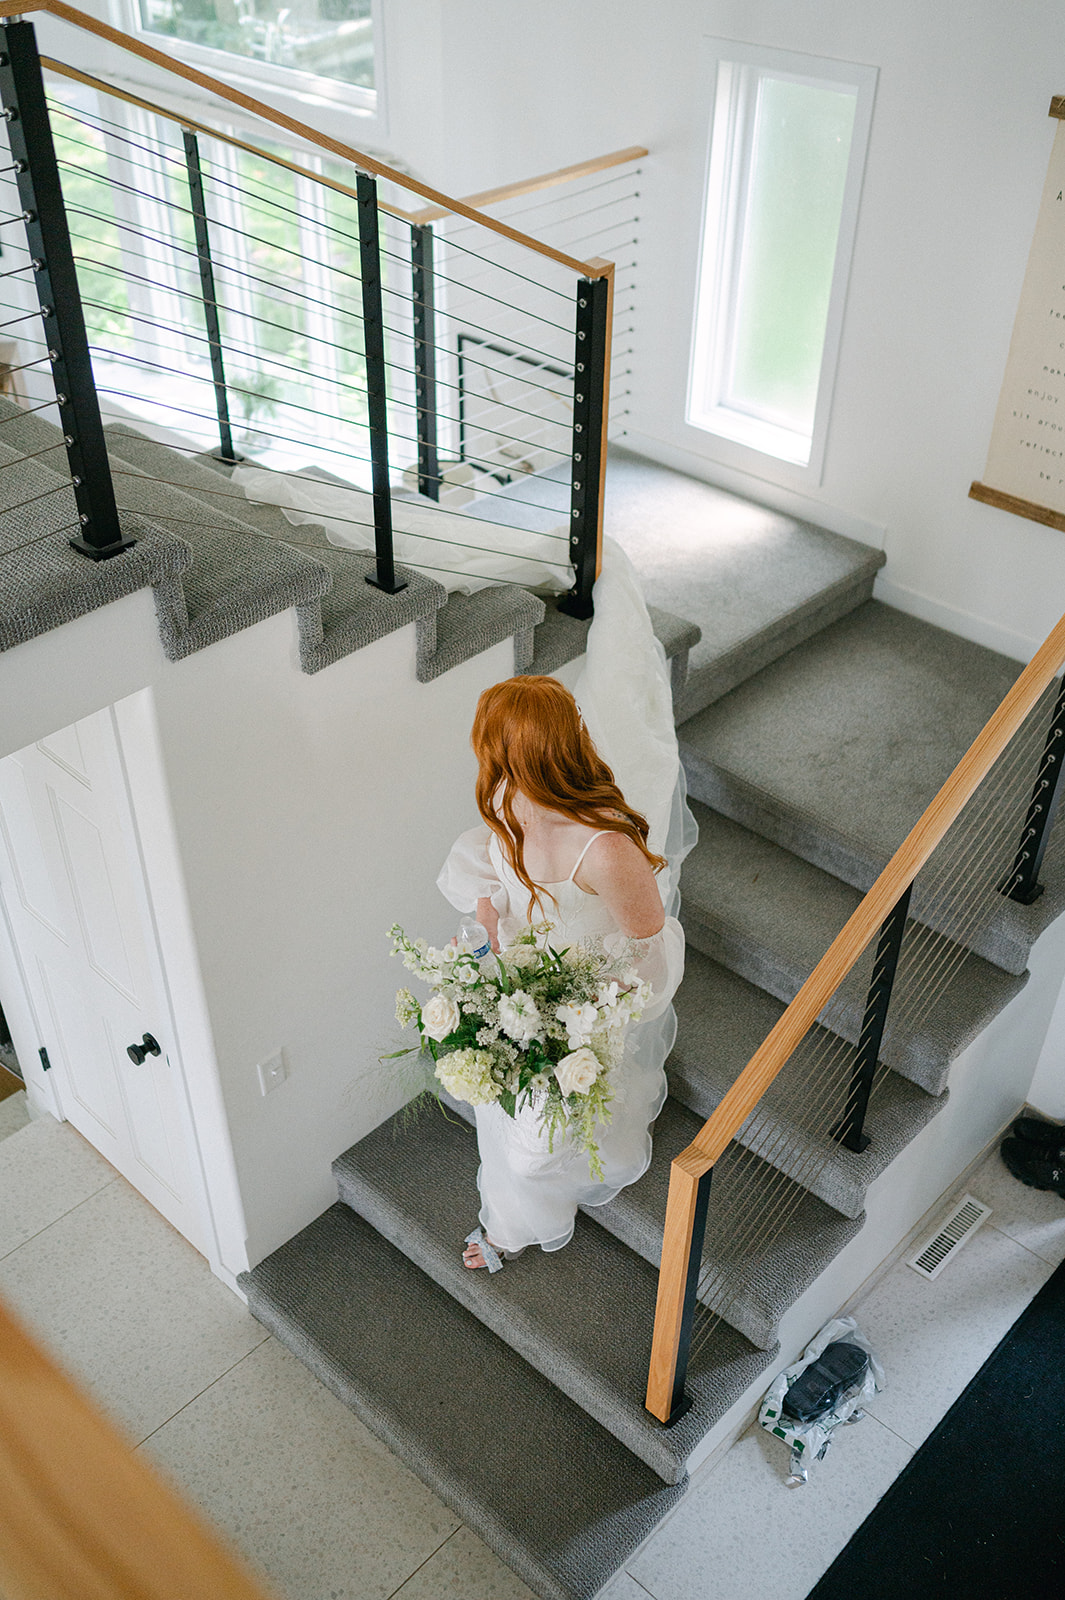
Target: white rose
{"x": 440, "y": 1016}
{"x": 578, "y": 1071}
{"x": 519, "y": 957}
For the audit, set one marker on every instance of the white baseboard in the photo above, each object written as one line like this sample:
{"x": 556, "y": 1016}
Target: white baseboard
{"x": 977, "y": 629}
{"x": 788, "y": 501}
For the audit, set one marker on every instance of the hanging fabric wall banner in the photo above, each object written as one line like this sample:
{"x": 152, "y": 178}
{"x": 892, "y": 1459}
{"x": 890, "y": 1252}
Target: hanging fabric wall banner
{"x": 1025, "y": 470}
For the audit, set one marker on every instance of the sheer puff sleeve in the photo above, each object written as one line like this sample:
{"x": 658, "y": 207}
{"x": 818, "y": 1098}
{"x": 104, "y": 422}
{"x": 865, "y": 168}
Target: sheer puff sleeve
{"x": 659, "y": 961}
{"x": 468, "y": 874}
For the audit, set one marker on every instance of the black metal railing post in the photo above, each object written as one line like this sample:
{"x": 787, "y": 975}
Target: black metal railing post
{"x": 850, "y": 1131}
{"x": 681, "y": 1402}
{"x": 590, "y": 381}
{"x": 55, "y": 276}
{"x": 1022, "y": 883}
{"x": 421, "y": 260}
{"x": 373, "y": 326}
{"x": 208, "y": 296}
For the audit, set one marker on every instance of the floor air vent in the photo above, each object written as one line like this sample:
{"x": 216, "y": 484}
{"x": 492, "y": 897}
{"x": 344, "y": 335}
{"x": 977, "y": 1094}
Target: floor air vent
{"x": 933, "y": 1254}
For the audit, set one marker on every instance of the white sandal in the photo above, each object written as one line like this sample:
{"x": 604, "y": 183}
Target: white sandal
{"x": 492, "y": 1259}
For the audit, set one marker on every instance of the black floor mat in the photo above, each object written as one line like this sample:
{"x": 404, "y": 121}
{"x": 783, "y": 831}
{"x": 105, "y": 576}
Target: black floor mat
{"x": 980, "y": 1510}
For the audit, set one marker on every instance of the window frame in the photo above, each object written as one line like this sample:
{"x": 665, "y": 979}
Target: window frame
{"x": 289, "y": 88}
{"x": 741, "y": 440}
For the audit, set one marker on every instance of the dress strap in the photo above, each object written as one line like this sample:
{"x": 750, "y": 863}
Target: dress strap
{"x": 584, "y": 852}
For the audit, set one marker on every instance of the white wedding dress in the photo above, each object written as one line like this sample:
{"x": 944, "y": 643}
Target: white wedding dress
{"x": 530, "y": 1194}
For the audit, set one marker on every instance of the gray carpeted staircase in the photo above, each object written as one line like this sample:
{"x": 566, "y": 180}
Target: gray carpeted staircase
{"x": 793, "y": 825}
{"x": 815, "y": 725}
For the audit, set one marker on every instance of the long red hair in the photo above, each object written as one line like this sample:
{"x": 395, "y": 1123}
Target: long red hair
{"x": 529, "y": 738}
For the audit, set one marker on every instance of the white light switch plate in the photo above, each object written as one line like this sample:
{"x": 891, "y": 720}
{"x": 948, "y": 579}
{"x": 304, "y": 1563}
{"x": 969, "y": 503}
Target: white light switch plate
{"x": 272, "y": 1071}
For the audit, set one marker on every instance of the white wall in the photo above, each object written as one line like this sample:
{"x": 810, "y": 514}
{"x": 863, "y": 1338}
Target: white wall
{"x": 960, "y": 141}
{"x": 311, "y": 814}
{"x": 308, "y": 814}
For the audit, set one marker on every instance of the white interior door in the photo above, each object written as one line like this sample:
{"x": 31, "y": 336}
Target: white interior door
{"x": 73, "y": 890}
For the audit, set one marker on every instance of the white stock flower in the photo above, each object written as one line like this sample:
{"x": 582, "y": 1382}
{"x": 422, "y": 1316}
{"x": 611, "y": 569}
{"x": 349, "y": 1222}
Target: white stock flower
{"x": 467, "y": 1074}
{"x": 578, "y": 1071}
{"x": 578, "y": 1021}
{"x": 519, "y": 1016}
{"x": 407, "y": 1008}
{"x": 440, "y": 1016}
{"x": 465, "y": 970}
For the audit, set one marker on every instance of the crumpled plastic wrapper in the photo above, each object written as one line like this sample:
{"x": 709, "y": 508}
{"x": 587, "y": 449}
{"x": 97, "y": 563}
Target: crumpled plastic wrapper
{"x": 809, "y": 1441}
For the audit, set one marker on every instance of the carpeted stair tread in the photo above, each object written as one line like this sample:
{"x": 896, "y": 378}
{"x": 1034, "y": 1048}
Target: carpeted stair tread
{"x": 583, "y": 1315}
{"x": 721, "y": 1022}
{"x": 236, "y": 571}
{"x": 234, "y": 578}
{"x": 756, "y": 581}
{"x": 191, "y": 474}
{"x": 770, "y": 916}
{"x": 836, "y": 752}
{"x": 345, "y": 613}
{"x": 49, "y": 584}
{"x": 557, "y": 1498}
{"x": 452, "y": 629}
{"x": 561, "y": 638}
{"x": 751, "y": 1284}
{"x": 470, "y": 623}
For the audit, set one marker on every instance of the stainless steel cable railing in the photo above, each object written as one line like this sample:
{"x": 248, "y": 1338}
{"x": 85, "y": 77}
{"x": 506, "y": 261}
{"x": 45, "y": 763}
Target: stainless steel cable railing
{"x": 943, "y": 906}
{"x": 255, "y": 305}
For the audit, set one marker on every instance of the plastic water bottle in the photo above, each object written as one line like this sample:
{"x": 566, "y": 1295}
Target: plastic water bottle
{"x": 473, "y": 939}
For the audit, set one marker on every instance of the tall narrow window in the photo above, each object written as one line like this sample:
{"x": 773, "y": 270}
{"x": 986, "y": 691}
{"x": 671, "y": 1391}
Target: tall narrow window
{"x": 786, "y": 156}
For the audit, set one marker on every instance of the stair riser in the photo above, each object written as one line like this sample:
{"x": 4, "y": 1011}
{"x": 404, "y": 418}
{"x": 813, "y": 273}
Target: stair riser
{"x": 784, "y": 980}
{"x": 559, "y": 1500}
{"x": 582, "y": 1385}
{"x": 999, "y": 940}
{"x": 773, "y": 1138}
{"x": 713, "y": 682}
{"x": 736, "y": 1308}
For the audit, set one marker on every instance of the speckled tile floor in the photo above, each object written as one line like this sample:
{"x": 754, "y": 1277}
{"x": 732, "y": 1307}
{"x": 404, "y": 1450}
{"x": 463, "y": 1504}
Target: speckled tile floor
{"x": 323, "y": 1509}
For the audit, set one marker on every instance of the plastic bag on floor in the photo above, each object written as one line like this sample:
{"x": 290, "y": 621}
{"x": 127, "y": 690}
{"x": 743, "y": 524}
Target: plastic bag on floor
{"x": 839, "y": 1374}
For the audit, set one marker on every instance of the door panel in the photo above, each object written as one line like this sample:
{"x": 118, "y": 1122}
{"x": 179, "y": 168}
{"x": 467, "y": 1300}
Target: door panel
{"x": 75, "y": 897}
{"x": 28, "y": 865}
{"x": 90, "y": 876}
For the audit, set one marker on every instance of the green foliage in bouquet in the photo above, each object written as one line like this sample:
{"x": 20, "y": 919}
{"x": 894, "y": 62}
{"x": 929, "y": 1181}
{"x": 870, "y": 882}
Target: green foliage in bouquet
{"x": 530, "y": 1026}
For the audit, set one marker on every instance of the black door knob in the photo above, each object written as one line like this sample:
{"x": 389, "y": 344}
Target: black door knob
{"x": 147, "y": 1047}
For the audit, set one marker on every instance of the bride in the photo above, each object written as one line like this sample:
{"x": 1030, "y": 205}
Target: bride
{"x": 561, "y": 844}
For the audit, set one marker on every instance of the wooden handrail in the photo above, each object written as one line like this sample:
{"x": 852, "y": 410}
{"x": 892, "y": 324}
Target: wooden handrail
{"x": 546, "y": 180}
{"x": 772, "y": 1055}
{"x": 899, "y": 873}
{"x": 84, "y": 1516}
{"x": 279, "y": 119}
{"x": 64, "y": 71}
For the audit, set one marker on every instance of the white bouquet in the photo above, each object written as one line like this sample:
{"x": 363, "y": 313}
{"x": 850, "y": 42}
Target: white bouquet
{"x": 530, "y": 1026}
